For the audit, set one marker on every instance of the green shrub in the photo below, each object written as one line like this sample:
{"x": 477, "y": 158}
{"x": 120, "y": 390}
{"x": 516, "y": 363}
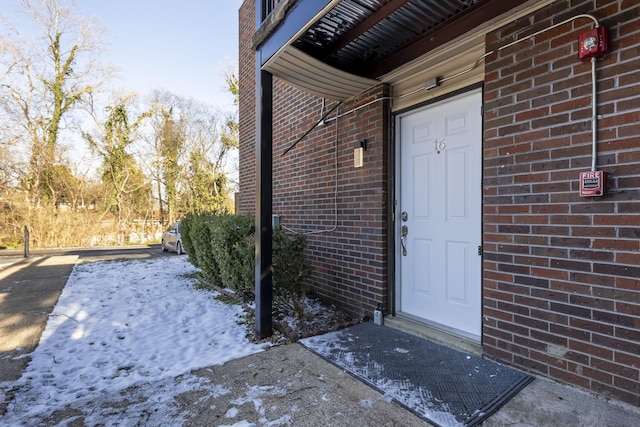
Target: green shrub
{"x": 246, "y": 250}
{"x": 228, "y": 240}
{"x": 290, "y": 271}
{"x": 186, "y": 224}
{"x": 204, "y": 254}
{"x": 223, "y": 247}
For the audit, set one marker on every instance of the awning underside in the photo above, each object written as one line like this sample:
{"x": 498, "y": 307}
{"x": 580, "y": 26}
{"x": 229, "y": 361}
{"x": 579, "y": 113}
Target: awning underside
{"x": 314, "y": 76}
{"x": 355, "y": 44}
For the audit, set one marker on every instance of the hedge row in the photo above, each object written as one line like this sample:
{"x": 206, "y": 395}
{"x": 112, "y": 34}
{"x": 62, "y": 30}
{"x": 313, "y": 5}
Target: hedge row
{"x": 223, "y": 247}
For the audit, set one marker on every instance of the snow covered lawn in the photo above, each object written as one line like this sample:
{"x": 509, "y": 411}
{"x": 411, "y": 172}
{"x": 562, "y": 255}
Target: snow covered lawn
{"x": 126, "y": 324}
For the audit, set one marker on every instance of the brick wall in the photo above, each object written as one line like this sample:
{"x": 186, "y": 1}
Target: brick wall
{"x": 247, "y": 109}
{"x": 350, "y": 260}
{"x": 349, "y": 254}
{"x": 561, "y": 272}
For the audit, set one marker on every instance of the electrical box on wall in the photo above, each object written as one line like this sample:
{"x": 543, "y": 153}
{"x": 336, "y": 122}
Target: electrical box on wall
{"x": 592, "y": 183}
{"x": 593, "y": 43}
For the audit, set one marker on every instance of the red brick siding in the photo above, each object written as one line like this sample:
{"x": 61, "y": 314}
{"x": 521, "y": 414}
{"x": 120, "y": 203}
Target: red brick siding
{"x": 561, "y": 272}
{"x": 350, "y": 264}
{"x": 247, "y": 109}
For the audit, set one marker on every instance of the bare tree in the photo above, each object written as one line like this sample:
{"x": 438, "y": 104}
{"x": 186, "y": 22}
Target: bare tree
{"x": 127, "y": 189}
{"x": 168, "y": 136}
{"x": 45, "y": 79}
{"x": 208, "y": 145}
{"x": 191, "y": 145}
{"x": 230, "y": 135}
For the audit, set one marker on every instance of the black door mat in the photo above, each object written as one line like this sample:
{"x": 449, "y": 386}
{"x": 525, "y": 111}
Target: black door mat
{"x": 444, "y": 386}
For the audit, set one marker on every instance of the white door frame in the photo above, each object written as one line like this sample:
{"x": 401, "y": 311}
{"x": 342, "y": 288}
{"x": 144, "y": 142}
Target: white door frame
{"x": 398, "y": 223}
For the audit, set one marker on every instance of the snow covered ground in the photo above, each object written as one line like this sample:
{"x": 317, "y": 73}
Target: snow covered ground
{"x": 125, "y": 324}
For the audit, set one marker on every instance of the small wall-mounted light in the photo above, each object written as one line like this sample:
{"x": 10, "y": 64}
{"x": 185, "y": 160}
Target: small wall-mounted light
{"x": 358, "y": 153}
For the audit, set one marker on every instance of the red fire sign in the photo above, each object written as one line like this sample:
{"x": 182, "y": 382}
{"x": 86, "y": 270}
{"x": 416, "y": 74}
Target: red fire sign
{"x": 592, "y": 183}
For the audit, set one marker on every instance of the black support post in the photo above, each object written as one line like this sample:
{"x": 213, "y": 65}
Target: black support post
{"x": 264, "y": 160}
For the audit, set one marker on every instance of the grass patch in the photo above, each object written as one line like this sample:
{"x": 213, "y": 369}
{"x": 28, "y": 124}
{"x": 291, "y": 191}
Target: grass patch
{"x": 195, "y": 275}
{"x": 228, "y": 299}
{"x": 203, "y": 286}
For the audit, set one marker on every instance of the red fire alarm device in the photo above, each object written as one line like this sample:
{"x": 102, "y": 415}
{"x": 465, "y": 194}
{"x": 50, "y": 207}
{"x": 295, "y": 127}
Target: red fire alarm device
{"x": 592, "y": 183}
{"x": 593, "y": 43}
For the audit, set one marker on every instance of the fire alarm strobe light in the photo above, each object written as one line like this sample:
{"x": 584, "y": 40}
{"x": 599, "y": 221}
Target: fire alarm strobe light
{"x": 592, "y": 183}
{"x": 593, "y": 43}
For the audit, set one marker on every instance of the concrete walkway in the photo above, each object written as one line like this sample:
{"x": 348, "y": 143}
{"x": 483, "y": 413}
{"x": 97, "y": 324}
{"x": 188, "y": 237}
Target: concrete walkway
{"x": 312, "y": 391}
{"x": 29, "y": 290}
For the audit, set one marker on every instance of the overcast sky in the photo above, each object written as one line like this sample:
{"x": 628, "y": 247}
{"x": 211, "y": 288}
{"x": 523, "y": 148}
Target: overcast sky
{"x": 178, "y": 45}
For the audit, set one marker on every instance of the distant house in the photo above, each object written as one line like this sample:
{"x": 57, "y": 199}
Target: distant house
{"x": 445, "y": 158}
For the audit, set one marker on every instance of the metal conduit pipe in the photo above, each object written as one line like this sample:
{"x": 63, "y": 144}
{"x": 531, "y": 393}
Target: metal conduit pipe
{"x": 515, "y": 42}
{"x": 440, "y": 80}
{"x": 383, "y": 98}
{"x": 594, "y": 115}
{"x": 594, "y": 88}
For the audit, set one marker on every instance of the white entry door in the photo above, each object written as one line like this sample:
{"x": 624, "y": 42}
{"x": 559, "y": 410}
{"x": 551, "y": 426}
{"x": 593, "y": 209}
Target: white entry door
{"x": 439, "y": 214}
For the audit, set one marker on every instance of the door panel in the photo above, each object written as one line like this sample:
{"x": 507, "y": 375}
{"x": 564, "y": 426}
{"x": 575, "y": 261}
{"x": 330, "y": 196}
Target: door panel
{"x": 456, "y": 194}
{"x": 440, "y": 191}
{"x": 422, "y": 248}
{"x": 421, "y": 175}
{"x": 456, "y": 281}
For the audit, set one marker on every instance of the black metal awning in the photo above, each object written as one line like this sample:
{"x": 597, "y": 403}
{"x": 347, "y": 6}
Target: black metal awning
{"x": 360, "y": 36}
{"x": 319, "y": 44}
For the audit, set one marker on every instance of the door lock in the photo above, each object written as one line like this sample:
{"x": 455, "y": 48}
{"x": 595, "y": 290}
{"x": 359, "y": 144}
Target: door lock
{"x": 404, "y": 216}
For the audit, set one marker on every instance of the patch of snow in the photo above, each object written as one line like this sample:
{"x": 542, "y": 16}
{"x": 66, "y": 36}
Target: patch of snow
{"x": 127, "y": 324}
{"x": 284, "y": 420}
{"x": 240, "y": 424}
{"x": 366, "y": 403}
{"x": 231, "y": 413}
{"x": 318, "y": 318}
{"x": 254, "y": 395}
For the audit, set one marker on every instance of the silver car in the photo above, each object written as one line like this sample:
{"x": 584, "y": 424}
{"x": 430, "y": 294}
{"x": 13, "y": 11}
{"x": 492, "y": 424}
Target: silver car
{"x": 171, "y": 239}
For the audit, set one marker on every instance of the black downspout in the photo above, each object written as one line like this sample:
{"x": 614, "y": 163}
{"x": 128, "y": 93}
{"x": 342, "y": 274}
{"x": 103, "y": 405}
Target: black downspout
{"x": 264, "y": 161}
